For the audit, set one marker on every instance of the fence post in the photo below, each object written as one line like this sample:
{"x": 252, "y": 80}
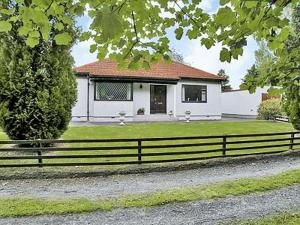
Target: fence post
{"x": 140, "y": 151}
{"x": 292, "y": 141}
{"x": 224, "y": 146}
{"x": 39, "y": 152}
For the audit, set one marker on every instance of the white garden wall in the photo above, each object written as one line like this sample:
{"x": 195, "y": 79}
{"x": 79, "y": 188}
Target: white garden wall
{"x": 241, "y": 103}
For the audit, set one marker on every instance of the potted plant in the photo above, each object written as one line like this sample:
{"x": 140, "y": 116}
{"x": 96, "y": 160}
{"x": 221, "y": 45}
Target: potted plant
{"x": 170, "y": 114}
{"x": 141, "y": 111}
{"x": 122, "y": 117}
{"x": 187, "y": 115}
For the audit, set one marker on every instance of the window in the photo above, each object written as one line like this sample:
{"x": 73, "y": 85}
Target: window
{"x": 194, "y": 93}
{"x": 110, "y": 91}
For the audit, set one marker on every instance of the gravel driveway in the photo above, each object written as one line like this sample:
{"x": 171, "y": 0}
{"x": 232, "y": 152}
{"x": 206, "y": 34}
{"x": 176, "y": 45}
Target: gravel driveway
{"x": 114, "y": 186}
{"x": 200, "y": 212}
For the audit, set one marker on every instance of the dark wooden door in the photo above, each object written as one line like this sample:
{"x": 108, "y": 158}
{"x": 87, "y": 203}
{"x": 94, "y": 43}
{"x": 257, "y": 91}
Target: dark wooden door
{"x": 158, "y": 99}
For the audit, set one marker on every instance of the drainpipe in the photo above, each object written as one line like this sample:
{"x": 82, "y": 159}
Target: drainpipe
{"x": 88, "y": 99}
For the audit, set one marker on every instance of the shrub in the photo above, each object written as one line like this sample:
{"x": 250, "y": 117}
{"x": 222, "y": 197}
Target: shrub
{"x": 292, "y": 104}
{"x": 37, "y": 84}
{"x": 37, "y": 90}
{"x": 270, "y": 109}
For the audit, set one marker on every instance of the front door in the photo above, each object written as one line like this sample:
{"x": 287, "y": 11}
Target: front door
{"x": 158, "y": 99}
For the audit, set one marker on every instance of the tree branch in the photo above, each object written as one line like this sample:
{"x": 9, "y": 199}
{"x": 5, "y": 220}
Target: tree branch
{"x": 136, "y": 36}
{"x": 120, "y": 7}
{"x": 46, "y": 10}
{"x": 191, "y": 18}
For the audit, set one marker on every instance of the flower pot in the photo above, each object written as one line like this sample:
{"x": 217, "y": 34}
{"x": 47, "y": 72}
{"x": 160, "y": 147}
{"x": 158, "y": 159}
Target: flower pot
{"x": 187, "y": 116}
{"x": 122, "y": 118}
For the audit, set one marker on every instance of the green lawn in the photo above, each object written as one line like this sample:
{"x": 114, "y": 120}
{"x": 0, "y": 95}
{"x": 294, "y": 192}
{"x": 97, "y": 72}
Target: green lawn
{"x": 175, "y": 129}
{"x": 171, "y": 130}
{"x": 166, "y": 130}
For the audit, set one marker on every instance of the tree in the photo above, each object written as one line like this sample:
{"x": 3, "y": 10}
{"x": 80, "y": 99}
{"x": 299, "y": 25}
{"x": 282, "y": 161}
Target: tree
{"x": 290, "y": 66}
{"x": 37, "y": 84}
{"x": 250, "y": 81}
{"x": 224, "y": 84}
{"x": 263, "y": 59}
{"x": 281, "y": 72}
{"x": 136, "y": 31}
{"x": 177, "y": 57}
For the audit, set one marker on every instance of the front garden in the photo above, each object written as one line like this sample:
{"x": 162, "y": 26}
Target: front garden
{"x": 150, "y": 130}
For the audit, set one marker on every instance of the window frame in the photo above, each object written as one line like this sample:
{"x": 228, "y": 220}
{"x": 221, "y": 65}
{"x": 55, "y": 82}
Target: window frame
{"x": 95, "y": 91}
{"x": 202, "y": 87}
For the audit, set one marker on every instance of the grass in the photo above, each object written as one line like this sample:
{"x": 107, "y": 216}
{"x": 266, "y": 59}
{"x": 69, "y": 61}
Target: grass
{"x": 164, "y": 130}
{"x": 172, "y": 130}
{"x": 280, "y": 219}
{"x": 3, "y": 136}
{"x": 175, "y": 129}
{"x": 16, "y": 207}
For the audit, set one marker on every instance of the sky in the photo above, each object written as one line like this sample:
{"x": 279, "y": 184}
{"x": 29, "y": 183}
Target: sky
{"x": 194, "y": 54}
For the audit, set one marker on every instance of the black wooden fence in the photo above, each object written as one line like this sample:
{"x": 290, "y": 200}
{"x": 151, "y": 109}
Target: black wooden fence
{"x": 141, "y": 150}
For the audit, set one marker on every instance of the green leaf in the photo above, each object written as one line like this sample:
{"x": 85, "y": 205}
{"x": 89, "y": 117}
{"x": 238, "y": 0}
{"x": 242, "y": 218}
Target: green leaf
{"x": 85, "y": 36}
{"x": 93, "y": 48}
{"x": 167, "y": 58}
{"x": 6, "y": 11}
{"x": 102, "y": 53}
{"x": 59, "y": 26}
{"x": 146, "y": 65}
{"x": 192, "y": 34}
{"x": 250, "y": 4}
{"x": 42, "y": 3}
{"x": 225, "y": 16}
{"x": 32, "y": 41}
{"x": 207, "y": 42}
{"x": 223, "y": 2}
{"x": 23, "y": 31}
{"x": 133, "y": 65}
{"x": 225, "y": 55}
{"x": 5, "y": 26}
{"x": 63, "y": 39}
{"x": 109, "y": 24}
{"x": 274, "y": 92}
{"x": 236, "y": 52}
{"x": 283, "y": 34}
{"x": 122, "y": 42}
{"x": 179, "y": 33}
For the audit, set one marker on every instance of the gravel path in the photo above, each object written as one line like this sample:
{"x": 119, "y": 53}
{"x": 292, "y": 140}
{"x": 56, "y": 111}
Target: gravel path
{"x": 114, "y": 186}
{"x": 201, "y": 212}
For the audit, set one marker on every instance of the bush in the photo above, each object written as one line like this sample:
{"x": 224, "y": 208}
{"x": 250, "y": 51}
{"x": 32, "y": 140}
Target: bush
{"x": 270, "y": 109}
{"x": 292, "y": 104}
{"x": 37, "y": 89}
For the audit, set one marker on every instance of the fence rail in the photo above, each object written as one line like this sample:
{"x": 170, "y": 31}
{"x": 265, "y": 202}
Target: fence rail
{"x": 16, "y": 153}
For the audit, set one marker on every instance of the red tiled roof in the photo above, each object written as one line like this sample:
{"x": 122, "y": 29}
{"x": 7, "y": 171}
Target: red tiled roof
{"x": 161, "y": 70}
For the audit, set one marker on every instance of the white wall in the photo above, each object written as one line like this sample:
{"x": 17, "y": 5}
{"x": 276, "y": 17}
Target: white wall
{"x": 79, "y": 111}
{"x": 141, "y": 97}
{"x": 209, "y": 110}
{"x": 242, "y": 102}
{"x": 108, "y": 111}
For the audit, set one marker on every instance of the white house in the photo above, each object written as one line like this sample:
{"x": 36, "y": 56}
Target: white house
{"x": 242, "y": 104}
{"x": 164, "y": 92}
